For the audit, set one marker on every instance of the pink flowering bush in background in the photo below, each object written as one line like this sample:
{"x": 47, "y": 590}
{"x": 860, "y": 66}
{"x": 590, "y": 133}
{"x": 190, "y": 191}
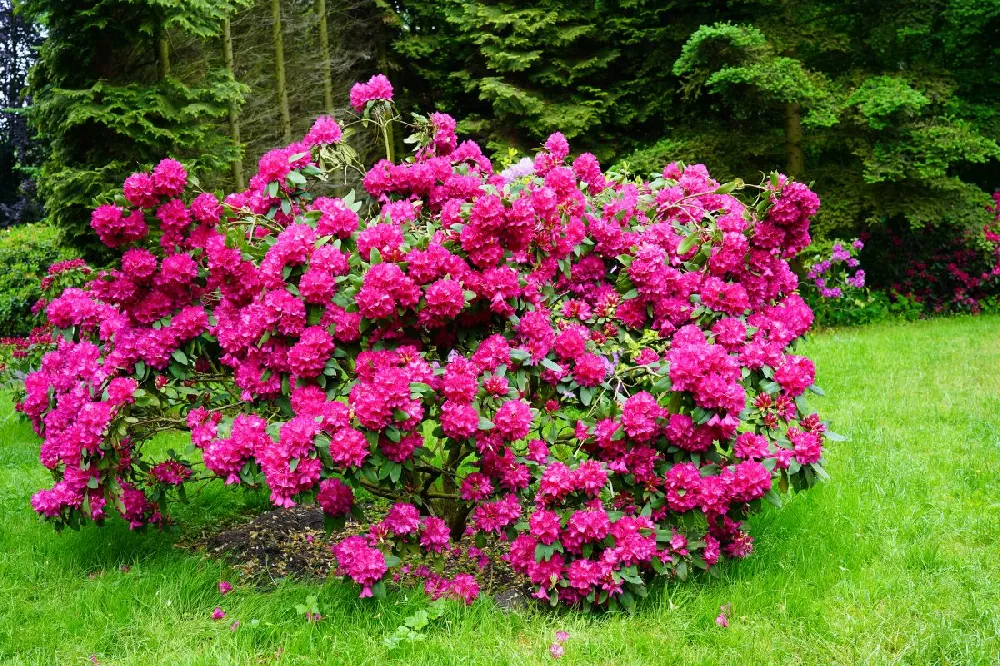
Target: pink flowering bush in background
{"x": 597, "y": 370}
{"x": 942, "y": 268}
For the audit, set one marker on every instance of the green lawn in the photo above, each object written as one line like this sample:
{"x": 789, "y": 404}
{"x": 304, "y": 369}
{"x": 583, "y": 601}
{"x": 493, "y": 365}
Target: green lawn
{"x": 896, "y": 560}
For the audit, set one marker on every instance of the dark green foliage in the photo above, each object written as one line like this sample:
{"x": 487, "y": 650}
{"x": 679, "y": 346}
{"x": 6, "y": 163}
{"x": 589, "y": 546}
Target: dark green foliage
{"x": 18, "y": 152}
{"x": 26, "y": 252}
{"x": 869, "y": 307}
{"x": 944, "y": 268}
{"x": 514, "y": 71}
{"x": 891, "y": 127}
{"x": 108, "y": 103}
{"x": 890, "y": 108}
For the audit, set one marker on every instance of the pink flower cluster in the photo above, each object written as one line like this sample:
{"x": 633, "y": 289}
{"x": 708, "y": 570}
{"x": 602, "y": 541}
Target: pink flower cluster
{"x": 377, "y": 88}
{"x": 597, "y": 372}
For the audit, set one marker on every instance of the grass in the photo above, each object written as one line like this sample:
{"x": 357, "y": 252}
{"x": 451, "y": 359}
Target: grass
{"x": 894, "y": 561}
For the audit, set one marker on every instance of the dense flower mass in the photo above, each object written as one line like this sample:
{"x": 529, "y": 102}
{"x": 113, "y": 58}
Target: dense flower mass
{"x": 942, "y": 267}
{"x": 595, "y": 369}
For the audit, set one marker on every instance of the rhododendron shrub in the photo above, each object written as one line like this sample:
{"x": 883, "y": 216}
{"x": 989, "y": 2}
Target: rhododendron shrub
{"x": 595, "y": 369}
{"x": 944, "y": 268}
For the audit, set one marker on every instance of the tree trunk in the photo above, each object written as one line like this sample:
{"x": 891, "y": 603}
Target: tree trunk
{"x": 279, "y": 70}
{"x": 324, "y": 54}
{"x": 795, "y": 159}
{"x": 162, "y": 53}
{"x": 234, "y": 118}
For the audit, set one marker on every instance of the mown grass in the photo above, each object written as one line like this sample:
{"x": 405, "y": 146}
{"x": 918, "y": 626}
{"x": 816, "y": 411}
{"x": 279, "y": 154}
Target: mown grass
{"x": 894, "y": 561}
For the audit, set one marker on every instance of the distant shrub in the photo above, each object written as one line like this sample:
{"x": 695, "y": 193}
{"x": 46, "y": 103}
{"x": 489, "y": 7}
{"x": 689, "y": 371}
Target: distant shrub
{"x": 943, "y": 268}
{"x": 835, "y": 288}
{"x": 26, "y": 252}
{"x": 20, "y": 354}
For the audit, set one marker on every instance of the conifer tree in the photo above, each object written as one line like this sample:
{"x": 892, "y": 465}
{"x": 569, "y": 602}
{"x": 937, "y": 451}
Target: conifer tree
{"x": 18, "y": 150}
{"x": 108, "y": 101}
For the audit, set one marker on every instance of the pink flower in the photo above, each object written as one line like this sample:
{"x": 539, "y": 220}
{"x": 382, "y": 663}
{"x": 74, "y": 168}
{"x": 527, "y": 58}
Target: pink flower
{"x": 557, "y": 650}
{"x": 324, "y": 131}
{"x": 218, "y": 613}
{"x": 364, "y": 564}
{"x": 562, "y": 636}
{"x": 403, "y": 519}
{"x": 590, "y": 370}
{"x": 139, "y": 190}
{"x": 377, "y": 88}
{"x": 335, "y": 497}
{"x": 170, "y": 472}
{"x": 459, "y": 421}
{"x": 225, "y": 587}
{"x": 465, "y": 587}
{"x": 513, "y": 420}
{"x": 169, "y": 178}
{"x": 115, "y": 228}
{"x": 795, "y": 374}
{"x": 722, "y": 620}
{"x": 434, "y": 536}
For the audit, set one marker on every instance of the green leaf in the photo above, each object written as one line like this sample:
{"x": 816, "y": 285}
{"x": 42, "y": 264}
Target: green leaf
{"x": 551, "y": 365}
{"x": 664, "y": 384}
{"x": 688, "y": 243}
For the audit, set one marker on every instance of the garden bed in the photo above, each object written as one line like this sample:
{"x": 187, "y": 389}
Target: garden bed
{"x": 294, "y": 543}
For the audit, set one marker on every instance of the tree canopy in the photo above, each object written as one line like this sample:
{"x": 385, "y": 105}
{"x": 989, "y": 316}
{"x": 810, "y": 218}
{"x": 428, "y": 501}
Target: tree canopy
{"x": 889, "y": 108}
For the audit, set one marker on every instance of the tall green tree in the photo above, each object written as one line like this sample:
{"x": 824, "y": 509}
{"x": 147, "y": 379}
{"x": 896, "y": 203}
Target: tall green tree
{"x": 890, "y": 107}
{"x": 514, "y": 71}
{"x": 108, "y": 99}
{"x": 281, "y": 89}
{"x": 353, "y": 29}
{"x": 877, "y": 103}
{"x": 19, "y": 38}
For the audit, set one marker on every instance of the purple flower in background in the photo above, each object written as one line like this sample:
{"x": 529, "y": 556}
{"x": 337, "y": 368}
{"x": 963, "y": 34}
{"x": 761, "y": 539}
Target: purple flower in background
{"x": 525, "y": 167}
{"x": 839, "y": 253}
{"x": 828, "y": 276}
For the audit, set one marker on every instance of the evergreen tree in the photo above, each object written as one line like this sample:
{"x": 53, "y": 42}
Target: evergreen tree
{"x": 108, "y": 99}
{"x": 514, "y": 71}
{"x": 865, "y": 111}
{"x": 876, "y": 103}
{"x": 18, "y": 151}
{"x": 887, "y": 106}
